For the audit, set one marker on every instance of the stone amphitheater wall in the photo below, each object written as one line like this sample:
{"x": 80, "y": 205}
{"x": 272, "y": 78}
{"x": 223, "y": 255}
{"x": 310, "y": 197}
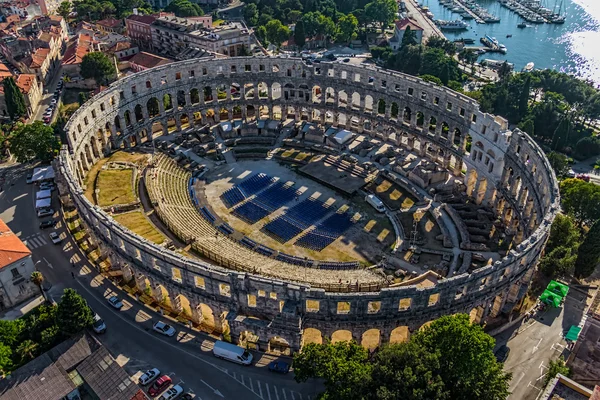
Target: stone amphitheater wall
{"x": 505, "y": 170}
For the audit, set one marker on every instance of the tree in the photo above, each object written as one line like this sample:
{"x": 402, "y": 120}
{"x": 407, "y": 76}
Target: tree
{"x": 559, "y": 262}
{"x": 73, "y": 314}
{"x": 444, "y": 44}
{"x": 15, "y": 101}
{"x": 504, "y": 71}
{"x": 10, "y": 331}
{"x": 26, "y": 350}
{"x": 527, "y": 126}
{"x": 587, "y": 147}
{"x": 299, "y": 35}
{"x": 36, "y": 140}
{"x": 559, "y": 162}
{"x": 5, "y": 359}
{"x": 64, "y": 9}
{"x": 588, "y": 255}
{"x": 347, "y": 26}
{"x": 276, "y": 32}
{"x": 382, "y": 12}
{"x": 343, "y": 367}
{"x": 184, "y": 8}
{"x": 467, "y": 363}
{"x": 524, "y": 98}
{"x": 409, "y": 38}
{"x": 98, "y": 66}
{"x": 563, "y": 232}
{"x": 556, "y": 367}
{"x": 251, "y": 14}
{"x": 581, "y": 200}
{"x": 38, "y": 279}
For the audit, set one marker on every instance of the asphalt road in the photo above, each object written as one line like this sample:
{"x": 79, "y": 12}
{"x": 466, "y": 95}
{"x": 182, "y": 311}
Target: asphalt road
{"x": 536, "y": 342}
{"x": 186, "y": 357}
{"x": 46, "y": 98}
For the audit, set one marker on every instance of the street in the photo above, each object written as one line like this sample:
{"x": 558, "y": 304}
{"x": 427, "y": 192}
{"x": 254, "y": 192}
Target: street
{"x": 534, "y": 343}
{"x": 186, "y": 357}
{"x": 47, "y": 97}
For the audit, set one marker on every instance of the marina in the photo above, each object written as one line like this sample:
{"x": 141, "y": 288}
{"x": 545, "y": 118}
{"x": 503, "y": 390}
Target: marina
{"x": 471, "y": 9}
{"x": 533, "y": 11}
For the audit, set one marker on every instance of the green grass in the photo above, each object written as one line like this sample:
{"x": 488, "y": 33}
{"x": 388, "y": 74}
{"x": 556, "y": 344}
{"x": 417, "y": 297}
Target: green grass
{"x": 115, "y": 187}
{"x": 137, "y": 222}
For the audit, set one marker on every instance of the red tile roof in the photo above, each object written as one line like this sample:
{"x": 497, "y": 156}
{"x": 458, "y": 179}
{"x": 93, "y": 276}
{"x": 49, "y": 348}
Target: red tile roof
{"x": 148, "y": 60}
{"x": 110, "y": 23}
{"x": 144, "y": 19}
{"x": 13, "y": 18}
{"x": 78, "y": 48}
{"x": 4, "y": 71}
{"x": 401, "y": 25}
{"x": 38, "y": 58}
{"x": 12, "y": 249}
{"x": 25, "y": 81}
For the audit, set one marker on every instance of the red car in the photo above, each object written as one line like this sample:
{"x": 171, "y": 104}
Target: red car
{"x": 159, "y": 385}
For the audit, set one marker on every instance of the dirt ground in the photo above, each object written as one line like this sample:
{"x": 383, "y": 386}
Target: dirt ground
{"x": 427, "y": 228}
{"x": 364, "y": 242}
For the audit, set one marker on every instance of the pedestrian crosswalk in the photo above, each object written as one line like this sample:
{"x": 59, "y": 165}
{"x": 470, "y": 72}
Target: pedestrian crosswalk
{"x": 267, "y": 391}
{"x": 34, "y": 241}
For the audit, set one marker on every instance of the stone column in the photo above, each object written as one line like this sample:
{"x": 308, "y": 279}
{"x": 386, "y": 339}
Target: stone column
{"x": 140, "y": 282}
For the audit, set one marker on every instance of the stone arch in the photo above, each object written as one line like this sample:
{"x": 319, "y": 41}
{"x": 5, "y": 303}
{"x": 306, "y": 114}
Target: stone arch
{"x": 180, "y": 99}
{"x": 207, "y": 92}
{"x": 139, "y": 115}
{"x": 316, "y": 94}
{"x": 223, "y": 114}
{"x": 168, "y": 102}
{"x": 250, "y": 113}
{"x": 371, "y": 339}
{"x": 235, "y": 90}
{"x": 445, "y": 129}
{"x": 457, "y": 138}
{"x": 400, "y": 334}
{"x": 100, "y": 136}
{"x": 467, "y": 144}
{"x": 368, "y": 104}
{"x": 263, "y": 91}
{"x": 171, "y": 124}
{"x": 183, "y": 306}
{"x": 304, "y": 92}
{"x": 355, "y": 100}
{"x": 420, "y": 119}
{"x": 312, "y": 335}
{"x": 197, "y": 118}
{"x": 329, "y": 95}
{"x": 278, "y": 345}
{"x": 207, "y": 316}
{"x": 157, "y": 129}
{"x": 263, "y": 111}
{"x": 341, "y": 335}
{"x": 195, "y": 96}
{"x": 221, "y": 92}
{"x": 381, "y": 107}
{"x": 249, "y": 340}
{"x": 432, "y": 124}
{"x": 342, "y": 98}
{"x": 406, "y": 115}
{"x": 277, "y": 113}
{"x": 152, "y": 107}
{"x": 127, "y": 117}
{"x": 288, "y": 91}
{"x": 471, "y": 181}
{"x": 143, "y": 135}
{"x": 236, "y": 112}
{"x": 275, "y": 91}
{"x": 394, "y": 110}
{"x": 118, "y": 128}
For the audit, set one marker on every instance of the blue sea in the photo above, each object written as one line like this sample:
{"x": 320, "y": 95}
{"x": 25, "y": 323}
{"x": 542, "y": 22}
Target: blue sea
{"x": 573, "y": 47}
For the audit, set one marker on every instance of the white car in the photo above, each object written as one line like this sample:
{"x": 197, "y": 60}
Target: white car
{"x": 571, "y": 173}
{"x": 44, "y": 212}
{"x": 148, "y": 376}
{"x": 163, "y": 328}
{"x": 98, "y": 326}
{"x": 172, "y": 393}
{"x": 55, "y": 238}
{"x": 115, "y": 302}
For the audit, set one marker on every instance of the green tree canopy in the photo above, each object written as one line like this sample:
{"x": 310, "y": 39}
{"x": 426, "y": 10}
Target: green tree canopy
{"x": 581, "y": 200}
{"x": 450, "y": 359}
{"x": 588, "y": 255}
{"x": 346, "y": 31}
{"x": 185, "y": 8}
{"x": 73, "y": 314}
{"x": 251, "y": 14}
{"x": 276, "y": 32}
{"x": 409, "y": 37}
{"x": 98, "y": 66}
{"x": 437, "y": 42}
{"x": 64, "y": 9}
{"x": 555, "y": 367}
{"x": 559, "y": 162}
{"x": 381, "y": 12}
{"x": 6, "y": 355}
{"x": 299, "y": 34}
{"x": 33, "y": 141}
{"x": 15, "y": 101}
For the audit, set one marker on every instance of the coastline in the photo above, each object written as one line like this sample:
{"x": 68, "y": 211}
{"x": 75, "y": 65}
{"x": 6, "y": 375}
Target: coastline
{"x": 429, "y": 28}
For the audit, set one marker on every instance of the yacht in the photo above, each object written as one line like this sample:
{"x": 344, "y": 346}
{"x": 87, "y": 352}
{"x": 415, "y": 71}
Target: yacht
{"x": 502, "y": 48}
{"x": 452, "y": 25}
{"x": 528, "y": 67}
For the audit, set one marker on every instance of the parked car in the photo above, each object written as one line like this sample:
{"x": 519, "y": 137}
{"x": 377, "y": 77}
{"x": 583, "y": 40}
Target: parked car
{"x": 279, "y": 366}
{"x": 187, "y": 396}
{"x": 49, "y": 223}
{"x": 159, "y": 386}
{"x": 115, "y": 302}
{"x": 231, "y": 352}
{"x": 502, "y": 353}
{"x": 571, "y": 174}
{"x": 163, "y": 328}
{"x": 98, "y": 325}
{"x": 55, "y": 238}
{"x": 44, "y": 212}
{"x": 149, "y": 376}
{"x": 172, "y": 393}
{"x": 29, "y": 178}
{"x": 47, "y": 186}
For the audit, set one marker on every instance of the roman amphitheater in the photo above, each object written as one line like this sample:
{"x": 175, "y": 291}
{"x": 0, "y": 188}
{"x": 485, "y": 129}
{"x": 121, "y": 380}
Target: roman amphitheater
{"x": 253, "y": 174}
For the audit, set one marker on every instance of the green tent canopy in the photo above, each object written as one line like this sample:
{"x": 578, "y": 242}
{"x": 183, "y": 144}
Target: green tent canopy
{"x": 573, "y": 333}
{"x": 558, "y": 288}
{"x": 551, "y": 298}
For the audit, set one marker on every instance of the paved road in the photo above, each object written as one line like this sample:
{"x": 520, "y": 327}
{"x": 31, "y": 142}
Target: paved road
{"x": 45, "y": 101}
{"x": 186, "y": 356}
{"x": 537, "y": 342}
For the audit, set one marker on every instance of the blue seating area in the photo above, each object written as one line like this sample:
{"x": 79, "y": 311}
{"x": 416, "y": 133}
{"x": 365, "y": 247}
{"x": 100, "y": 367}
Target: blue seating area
{"x": 265, "y": 203}
{"x": 245, "y": 189}
{"x": 225, "y": 229}
{"x": 333, "y": 265}
{"x": 249, "y": 243}
{"x": 250, "y": 212}
{"x": 264, "y": 250}
{"x": 294, "y": 260}
{"x": 207, "y": 215}
{"x": 326, "y": 232}
{"x": 296, "y": 219}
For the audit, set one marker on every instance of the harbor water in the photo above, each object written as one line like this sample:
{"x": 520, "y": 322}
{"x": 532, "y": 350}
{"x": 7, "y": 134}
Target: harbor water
{"x": 572, "y": 47}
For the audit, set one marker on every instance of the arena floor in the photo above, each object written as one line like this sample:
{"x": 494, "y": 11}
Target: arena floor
{"x": 364, "y": 242}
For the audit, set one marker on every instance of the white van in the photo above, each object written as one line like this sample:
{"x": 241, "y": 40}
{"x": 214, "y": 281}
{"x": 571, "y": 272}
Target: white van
{"x": 231, "y": 352}
{"x": 375, "y": 202}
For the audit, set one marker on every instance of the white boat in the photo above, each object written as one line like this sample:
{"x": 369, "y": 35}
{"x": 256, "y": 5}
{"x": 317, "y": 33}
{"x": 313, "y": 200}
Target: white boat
{"x": 452, "y": 25}
{"x": 528, "y": 67}
{"x": 502, "y": 48}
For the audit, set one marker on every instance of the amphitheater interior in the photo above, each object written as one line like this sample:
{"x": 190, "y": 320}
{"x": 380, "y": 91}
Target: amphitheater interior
{"x": 252, "y": 174}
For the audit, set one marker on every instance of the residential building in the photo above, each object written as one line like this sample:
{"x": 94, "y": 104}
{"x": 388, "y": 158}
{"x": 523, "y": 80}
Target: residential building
{"x": 16, "y": 266}
{"x": 76, "y": 50}
{"x": 142, "y": 61}
{"x": 564, "y": 388}
{"x": 171, "y": 35}
{"x": 583, "y": 359}
{"x": 111, "y": 25}
{"x": 48, "y": 7}
{"x": 139, "y": 30}
{"x": 123, "y": 50}
{"x": 22, "y": 8}
{"x": 32, "y": 90}
{"x": 78, "y": 368}
{"x": 400, "y": 26}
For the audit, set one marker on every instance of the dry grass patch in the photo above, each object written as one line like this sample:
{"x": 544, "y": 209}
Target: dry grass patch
{"x": 115, "y": 187}
{"x": 137, "y": 222}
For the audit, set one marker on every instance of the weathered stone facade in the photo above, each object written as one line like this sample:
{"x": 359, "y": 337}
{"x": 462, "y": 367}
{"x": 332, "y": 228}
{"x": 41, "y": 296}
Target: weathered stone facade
{"x": 505, "y": 170}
